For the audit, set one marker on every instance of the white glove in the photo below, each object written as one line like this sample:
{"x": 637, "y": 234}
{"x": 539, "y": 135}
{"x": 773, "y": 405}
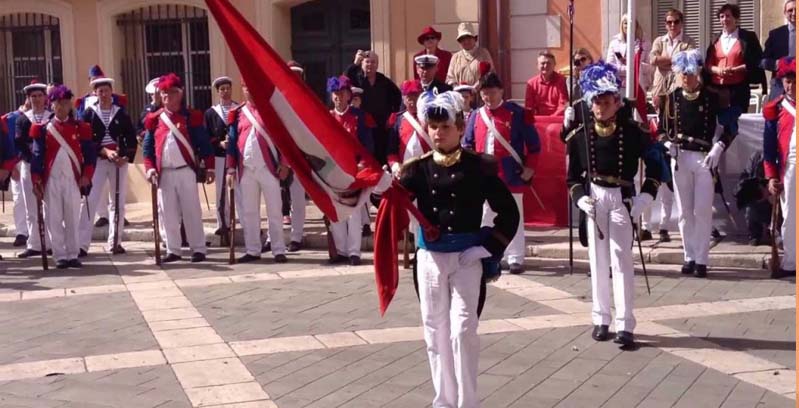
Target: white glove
{"x": 383, "y": 184}
{"x": 586, "y": 204}
{"x": 395, "y": 169}
{"x": 640, "y": 203}
{"x": 712, "y": 159}
{"x": 472, "y": 255}
{"x": 671, "y": 147}
{"x": 568, "y": 117}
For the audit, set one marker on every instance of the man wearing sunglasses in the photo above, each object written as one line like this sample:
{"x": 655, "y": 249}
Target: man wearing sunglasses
{"x": 663, "y": 48}
{"x": 429, "y": 39}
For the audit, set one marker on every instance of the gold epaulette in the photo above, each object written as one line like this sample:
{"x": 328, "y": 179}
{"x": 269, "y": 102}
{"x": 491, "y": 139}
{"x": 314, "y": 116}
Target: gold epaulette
{"x": 417, "y": 158}
{"x": 572, "y": 133}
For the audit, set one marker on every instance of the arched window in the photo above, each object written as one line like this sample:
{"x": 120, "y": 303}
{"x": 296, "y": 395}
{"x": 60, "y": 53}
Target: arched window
{"x": 30, "y": 48}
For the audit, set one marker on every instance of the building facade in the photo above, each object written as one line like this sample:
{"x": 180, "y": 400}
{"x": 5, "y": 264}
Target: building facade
{"x": 136, "y": 40}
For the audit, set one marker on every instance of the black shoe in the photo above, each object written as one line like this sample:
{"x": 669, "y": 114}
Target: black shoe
{"x": 125, "y": 222}
{"x": 218, "y": 231}
{"x": 701, "y": 271}
{"x": 49, "y": 252}
{"x": 20, "y": 241}
{"x": 355, "y": 260}
{"x": 28, "y": 253}
{"x": 118, "y": 250}
{"x": 281, "y": 259}
{"x": 248, "y": 258}
{"x": 171, "y": 258}
{"x": 266, "y": 248}
{"x": 782, "y": 273}
{"x": 340, "y": 259}
{"x": 688, "y": 268}
{"x": 295, "y": 246}
{"x": 101, "y": 222}
{"x": 715, "y": 234}
{"x": 62, "y": 264}
{"x": 664, "y": 236}
{"x": 74, "y": 263}
{"x": 600, "y": 333}
{"x": 367, "y": 230}
{"x": 82, "y": 253}
{"x": 197, "y": 257}
{"x": 184, "y": 244}
{"x": 515, "y": 268}
{"x": 625, "y": 338}
{"x": 754, "y": 242}
{"x": 645, "y": 235}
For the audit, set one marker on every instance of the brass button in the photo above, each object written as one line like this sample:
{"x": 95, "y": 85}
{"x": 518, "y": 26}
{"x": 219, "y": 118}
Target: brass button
{"x": 435, "y": 175}
{"x": 449, "y": 229}
{"x": 433, "y": 192}
{"x": 435, "y": 209}
{"x": 451, "y": 212}
{"x": 452, "y": 195}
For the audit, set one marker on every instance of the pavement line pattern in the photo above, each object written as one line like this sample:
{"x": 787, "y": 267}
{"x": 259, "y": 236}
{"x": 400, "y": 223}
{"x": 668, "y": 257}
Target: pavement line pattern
{"x": 209, "y": 373}
{"x": 209, "y": 369}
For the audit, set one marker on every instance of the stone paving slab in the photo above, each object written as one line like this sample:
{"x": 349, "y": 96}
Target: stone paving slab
{"x": 769, "y": 335}
{"x": 146, "y": 387}
{"x": 668, "y": 286}
{"x": 542, "y": 368}
{"x": 274, "y": 308}
{"x": 71, "y": 327}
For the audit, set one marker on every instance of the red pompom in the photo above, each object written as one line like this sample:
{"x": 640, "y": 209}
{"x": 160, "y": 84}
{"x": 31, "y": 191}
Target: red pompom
{"x": 484, "y": 68}
{"x": 78, "y": 102}
{"x": 122, "y": 101}
{"x": 168, "y": 81}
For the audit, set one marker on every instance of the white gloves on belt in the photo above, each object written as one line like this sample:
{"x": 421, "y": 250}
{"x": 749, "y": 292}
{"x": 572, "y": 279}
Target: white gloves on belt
{"x": 640, "y": 203}
{"x": 586, "y": 204}
{"x": 472, "y": 255}
{"x": 568, "y": 117}
{"x": 712, "y": 159}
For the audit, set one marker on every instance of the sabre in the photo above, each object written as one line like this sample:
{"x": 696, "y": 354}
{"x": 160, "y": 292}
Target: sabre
{"x": 207, "y": 203}
{"x": 641, "y": 254}
{"x": 537, "y": 198}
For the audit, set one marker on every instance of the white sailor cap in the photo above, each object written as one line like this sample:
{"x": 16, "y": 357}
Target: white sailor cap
{"x": 152, "y": 86}
{"x": 464, "y": 87}
{"x": 221, "y": 81}
{"x": 426, "y": 60}
{"x": 35, "y": 85}
{"x": 356, "y": 91}
{"x": 101, "y": 80}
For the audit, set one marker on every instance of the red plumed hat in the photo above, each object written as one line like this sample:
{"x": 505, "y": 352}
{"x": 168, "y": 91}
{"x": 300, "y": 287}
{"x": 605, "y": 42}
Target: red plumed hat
{"x": 411, "y": 87}
{"x": 786, "y": 66}
{"x": 169, "y": 80}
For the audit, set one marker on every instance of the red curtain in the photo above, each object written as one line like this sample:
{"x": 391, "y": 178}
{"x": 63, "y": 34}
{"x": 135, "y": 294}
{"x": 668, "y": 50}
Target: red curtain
{"x": 550, "y": 178}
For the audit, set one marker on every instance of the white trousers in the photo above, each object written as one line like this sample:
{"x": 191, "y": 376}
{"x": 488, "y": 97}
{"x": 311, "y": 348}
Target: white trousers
{"x": 32, "y": 214}
{"x": 788, "y": 204}
{"x": 219, "y": 172}
{"x": 253, "y": 185}
{"x": 347, "y": 234}
{"x": 665, "y": 200}
{"x": 178, "y": 200}
{"x": 104, "y": 175}
{"x": 515, "y": 251}
{"x": 298, "y": 204}
{"x": 105, "y": 202}
{"x": 20, "y": 211}
{"x": 693, "y": 185}
{"x": 614, "y": 252}
{"x": 449, "y": 289}
{"x": 61, "y": 210}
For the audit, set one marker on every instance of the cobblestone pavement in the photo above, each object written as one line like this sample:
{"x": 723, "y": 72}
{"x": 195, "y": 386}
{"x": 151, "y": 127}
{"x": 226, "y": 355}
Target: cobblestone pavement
{"x": 124, "y": 333}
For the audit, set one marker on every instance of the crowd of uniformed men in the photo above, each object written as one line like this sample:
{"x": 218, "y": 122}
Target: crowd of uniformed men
{"x": 465, "y": 160}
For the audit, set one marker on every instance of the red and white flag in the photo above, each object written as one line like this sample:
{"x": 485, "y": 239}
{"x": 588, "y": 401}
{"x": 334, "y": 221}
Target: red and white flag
{"x": 319, "y": 150}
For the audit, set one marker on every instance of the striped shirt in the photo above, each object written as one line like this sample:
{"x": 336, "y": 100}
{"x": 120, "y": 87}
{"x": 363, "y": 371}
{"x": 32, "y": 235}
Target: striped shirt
{"x": 105, "y": 116}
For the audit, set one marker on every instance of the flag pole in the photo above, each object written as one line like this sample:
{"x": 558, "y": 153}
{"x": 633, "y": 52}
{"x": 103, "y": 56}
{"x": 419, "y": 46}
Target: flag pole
{"x": 571, "y": 101}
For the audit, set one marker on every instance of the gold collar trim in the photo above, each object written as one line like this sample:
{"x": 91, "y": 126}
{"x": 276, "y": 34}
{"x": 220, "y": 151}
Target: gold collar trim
{"x": 447, "y": 159}
{"x": 691, "y": 95}
{"x": 605, "y": 130}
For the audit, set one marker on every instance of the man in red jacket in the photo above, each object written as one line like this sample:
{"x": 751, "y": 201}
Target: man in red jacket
{"x": 779, "y": 159}
{"x": 177, "y": 154}
{"x": 63, "y": 156}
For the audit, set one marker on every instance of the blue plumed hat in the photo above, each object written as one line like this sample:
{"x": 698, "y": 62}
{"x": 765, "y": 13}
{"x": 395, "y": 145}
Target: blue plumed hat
{"x": 95, "y": 72}
{"x": 687, "y": 62}
{"x": 599, "y": 79}
{"x": 339, "y": 83}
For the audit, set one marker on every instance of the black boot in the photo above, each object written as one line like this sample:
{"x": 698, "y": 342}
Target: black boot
{"x": 600, "y": 333}
{"x": 664, "y": 236}
{"x": 688, "y": 268}
{"x": 20, "y": 240}
{"x": 701, "y": 271}
{"x": 625, "y": 338}
{"x": 645, "y": 235}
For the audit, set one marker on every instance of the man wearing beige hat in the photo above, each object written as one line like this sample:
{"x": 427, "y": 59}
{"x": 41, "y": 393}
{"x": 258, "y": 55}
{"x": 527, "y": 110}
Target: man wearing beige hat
{"x": 464, "y": 67}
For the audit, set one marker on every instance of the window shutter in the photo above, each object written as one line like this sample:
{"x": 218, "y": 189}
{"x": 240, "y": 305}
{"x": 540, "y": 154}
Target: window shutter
{"x": 661, "y": 7}
{"x": 693, "y": 24}
{"x": 748, "y": 15}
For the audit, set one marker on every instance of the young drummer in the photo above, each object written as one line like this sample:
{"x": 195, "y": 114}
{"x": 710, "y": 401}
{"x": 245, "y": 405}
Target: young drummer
{"x": 603, "y": 160}
{"x": 63, "y": 156}
{"x": 450, "y": 185}
{"x": 688, "y": 124}
{"x": 217, "y": 127}
{"x": 347, "y": 234}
